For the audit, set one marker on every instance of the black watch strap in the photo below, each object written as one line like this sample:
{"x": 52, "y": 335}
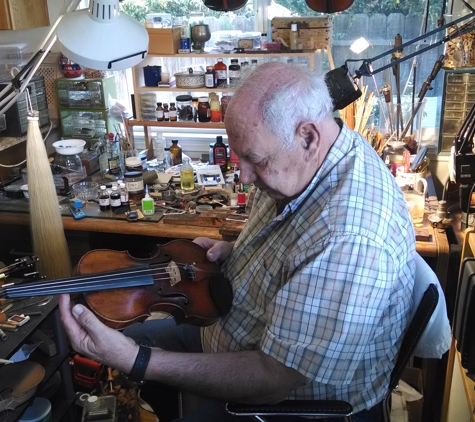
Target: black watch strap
{"x": 140, "y": 365}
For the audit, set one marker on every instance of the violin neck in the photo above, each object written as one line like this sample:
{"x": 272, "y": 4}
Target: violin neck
{"x": 142, "y": 276}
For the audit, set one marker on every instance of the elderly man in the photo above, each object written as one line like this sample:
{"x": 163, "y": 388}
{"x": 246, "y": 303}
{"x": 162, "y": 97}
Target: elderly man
{"x": 322, "y": 274}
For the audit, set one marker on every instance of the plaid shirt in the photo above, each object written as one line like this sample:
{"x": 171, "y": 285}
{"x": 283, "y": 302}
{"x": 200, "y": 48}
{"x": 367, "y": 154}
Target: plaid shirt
{"x": 326, "y": 286}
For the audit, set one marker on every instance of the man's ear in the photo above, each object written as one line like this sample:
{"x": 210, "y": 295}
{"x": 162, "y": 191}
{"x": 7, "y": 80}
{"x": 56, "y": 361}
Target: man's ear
{"x": 309, "y": 134}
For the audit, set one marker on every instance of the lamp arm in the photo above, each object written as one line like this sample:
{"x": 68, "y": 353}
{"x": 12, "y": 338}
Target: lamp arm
{"x": 366, "y": 69}
{"x": 18, "y": 84}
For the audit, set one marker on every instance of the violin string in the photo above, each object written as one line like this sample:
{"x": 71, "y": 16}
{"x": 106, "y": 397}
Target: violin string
{"x": 49, "y": 287}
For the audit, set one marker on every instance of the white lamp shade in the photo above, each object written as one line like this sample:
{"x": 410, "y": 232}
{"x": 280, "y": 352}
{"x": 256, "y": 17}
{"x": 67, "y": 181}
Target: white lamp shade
{"x": 102, "y": 38}
{"x": 360, "y": 45}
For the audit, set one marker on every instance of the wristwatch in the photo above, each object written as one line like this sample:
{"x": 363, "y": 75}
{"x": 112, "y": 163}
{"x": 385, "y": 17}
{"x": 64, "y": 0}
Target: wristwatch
{"x": 140, "y": 365}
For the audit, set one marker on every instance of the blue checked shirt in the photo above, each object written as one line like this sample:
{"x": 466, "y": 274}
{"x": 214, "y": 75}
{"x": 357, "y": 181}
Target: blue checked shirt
{"x": 326, "y": 286}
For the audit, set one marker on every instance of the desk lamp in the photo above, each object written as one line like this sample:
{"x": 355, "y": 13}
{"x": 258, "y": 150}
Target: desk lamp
{"x": 99, "y": 37}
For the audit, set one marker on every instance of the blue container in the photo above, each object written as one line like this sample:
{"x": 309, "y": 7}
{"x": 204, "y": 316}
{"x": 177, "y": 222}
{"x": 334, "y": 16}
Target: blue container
{"x": 152, "y": 75}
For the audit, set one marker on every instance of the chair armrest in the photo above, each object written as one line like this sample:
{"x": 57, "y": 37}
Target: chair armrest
{"x": 326, "y": 408}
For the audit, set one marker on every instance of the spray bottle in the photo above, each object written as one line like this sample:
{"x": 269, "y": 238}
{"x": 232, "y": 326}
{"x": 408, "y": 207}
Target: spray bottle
{"x": 148, "y": 206}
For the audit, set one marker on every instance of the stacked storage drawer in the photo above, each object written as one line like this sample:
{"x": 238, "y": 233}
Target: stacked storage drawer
{"x": 16, "y": 115}
{"x": 83, "y": 108}
{"x": 458, "y": 98}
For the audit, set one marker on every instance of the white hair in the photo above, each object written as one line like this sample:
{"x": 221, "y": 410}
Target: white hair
{"x": 306, "y": 98}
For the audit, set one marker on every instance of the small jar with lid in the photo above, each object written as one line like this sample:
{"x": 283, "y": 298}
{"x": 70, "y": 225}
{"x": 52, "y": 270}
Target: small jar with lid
{"x": 133, "y": 164}
{"x": 134, "y": 184}
{"x": 184, "y": 107}
{"x": 204, "y": 111}
{"x": 393, "y": 155}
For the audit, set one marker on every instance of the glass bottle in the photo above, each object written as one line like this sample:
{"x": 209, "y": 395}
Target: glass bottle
{"x": 215, "y": 109}
{"x": 245, "y": 70}
{"x": 124, "y": 195}
{"x": 115, "y": 198}
{"x": 187, "y": 177}
{"x": 234, "y": 72}
{"x": 114, "y": 156}
{"x": 167, "y": 162}
{"x": 204, "y": 112}
{"x": 254, "y": 65}
{"x": 158, "y": 143}
{"x": 175, "y": 153}
{"x": 209, "y": 77}
{"x": 159, "y": 112}
{"x": 104, "y": 199}
{"x": 166, "y": 113}
{"x": 172, "y": 111}
{"x": 224, "y": 103}
{"x": 220, "y": 154}
{"x": 263, "y": 42}
{"x": 294, "y": 35}
{"x": 221, "y": 72}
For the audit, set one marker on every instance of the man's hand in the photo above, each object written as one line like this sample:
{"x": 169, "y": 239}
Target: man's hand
{"x": 92, "y": 338}
{"x": 217, "y": 250}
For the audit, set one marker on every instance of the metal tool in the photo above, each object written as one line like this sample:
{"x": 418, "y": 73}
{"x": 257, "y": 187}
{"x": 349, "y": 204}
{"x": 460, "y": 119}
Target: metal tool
{"x": 42, "y": 302}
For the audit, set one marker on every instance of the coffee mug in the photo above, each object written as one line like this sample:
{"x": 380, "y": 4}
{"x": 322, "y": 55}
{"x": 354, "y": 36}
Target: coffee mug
{"x": 416, "y": 180}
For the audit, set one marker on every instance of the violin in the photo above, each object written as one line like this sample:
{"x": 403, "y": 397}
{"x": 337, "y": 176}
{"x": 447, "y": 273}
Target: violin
{"x": 329, "y": 6}
{"x": 121, "y": 290}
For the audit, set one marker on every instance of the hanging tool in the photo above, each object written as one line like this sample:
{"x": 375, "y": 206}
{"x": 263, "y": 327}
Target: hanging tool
{"x": 398, "y": 54}
{"x": 426, "y": 86}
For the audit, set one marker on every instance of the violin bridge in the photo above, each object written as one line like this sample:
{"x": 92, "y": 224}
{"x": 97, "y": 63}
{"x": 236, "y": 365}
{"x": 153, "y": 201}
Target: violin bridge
{"x": 174, "y": 273}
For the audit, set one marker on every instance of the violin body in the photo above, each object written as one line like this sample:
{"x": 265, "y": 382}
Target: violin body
{"x": 329, "y": 6}
{"x": 225, "y": 5}
{"x": 185, "y": 285}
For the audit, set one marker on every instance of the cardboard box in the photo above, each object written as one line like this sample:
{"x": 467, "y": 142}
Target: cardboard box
{"x": 164, "y": 40}
{"x": 413, "y": 376}
{"x": 314, "y": 32}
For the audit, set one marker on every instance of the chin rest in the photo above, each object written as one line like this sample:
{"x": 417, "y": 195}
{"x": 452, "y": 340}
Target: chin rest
{"x": 321, "y": 408}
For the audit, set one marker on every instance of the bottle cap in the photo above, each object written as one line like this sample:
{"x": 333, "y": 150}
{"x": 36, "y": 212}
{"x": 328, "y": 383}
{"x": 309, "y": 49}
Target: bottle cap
{"x": 203, "y": 99}
{"x": 133, "y": 162}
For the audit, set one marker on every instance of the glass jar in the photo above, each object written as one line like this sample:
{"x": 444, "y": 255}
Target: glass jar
{"x": 209, "y": 77}
{"x": 204, "y": 112}
{"x": 134, "y": 184}
{"x": 133, "y": 164}
{"x": 393, "y": 155}
{"x": 184, "y": 108}
{"x": 173, "y": 114}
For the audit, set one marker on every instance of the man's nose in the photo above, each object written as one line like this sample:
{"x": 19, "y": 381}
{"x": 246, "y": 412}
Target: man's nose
{"x": 246, "y": 173}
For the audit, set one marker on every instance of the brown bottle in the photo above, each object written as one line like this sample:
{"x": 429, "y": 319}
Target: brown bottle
{"x": 172, "y": 112}
{"x": 222, "y": 73}
{"x": 175, "y": 153}
{"x": 159, "y": 112}
{"x": 166, "y": 112}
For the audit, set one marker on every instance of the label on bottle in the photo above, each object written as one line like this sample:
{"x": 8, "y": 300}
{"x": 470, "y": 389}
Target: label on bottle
{"x": 234, "y": 75}
{"x": 114, "y": 165}
{"x": 220, "y": 156}
{"x": 159, "y": 114}
{"x": 222, "y": 77}
{"x": 172, "y": 114}
{"x": 124, "y": 198}
{"x": 134, "y": 186}
{"x": 166, "y": 115}
{"x": 209, "y": 80}
{"x": 104, "y": 202}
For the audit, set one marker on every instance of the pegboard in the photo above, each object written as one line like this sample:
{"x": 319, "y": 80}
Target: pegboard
{"x": 50, "y": 70}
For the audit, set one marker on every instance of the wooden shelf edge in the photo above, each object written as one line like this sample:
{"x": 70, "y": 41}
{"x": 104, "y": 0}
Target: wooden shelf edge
{"x": 194, "y": 125}
{"x": 175, "y": 89}
{"x": 270, "y": 53}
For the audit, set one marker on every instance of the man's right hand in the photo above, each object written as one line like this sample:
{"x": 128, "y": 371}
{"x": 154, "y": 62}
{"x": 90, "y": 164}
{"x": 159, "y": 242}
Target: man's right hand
{"x": 216, "y": 250}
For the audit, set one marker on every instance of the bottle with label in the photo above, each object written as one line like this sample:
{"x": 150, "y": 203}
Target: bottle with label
{"x": 148, "y": 206}
{"x": 159, "y": 112}
{"x": 221, "y": 72}
{"x": 124, "y": 195}
{"x": 263, "y": 43}
{"x": 204, "y": 112}
{"x": 175, "y": 153}
{"x": 234, "y": 72}
{"x": 172, "y": 111}
{"x": 115, "y": 198}
{"x": 209, "y": 77}
{"x": 294, "y": 36}
{"x": 220, "y": 155}
{"x": 104, "y": 199}
{"x": 166, "y": 113}
{"x": 187, "y": 176}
